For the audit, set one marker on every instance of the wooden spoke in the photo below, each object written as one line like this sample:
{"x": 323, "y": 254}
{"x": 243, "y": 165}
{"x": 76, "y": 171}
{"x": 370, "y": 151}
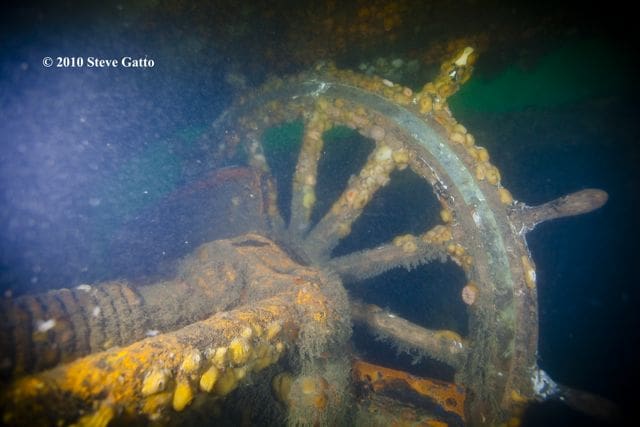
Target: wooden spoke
{"x": 444, "y": 345}
{"x": 304, "y": 180}
{"x": 336, "y": 224}
{"x": 577, "y": 203}
{"x": 405, "y": 251}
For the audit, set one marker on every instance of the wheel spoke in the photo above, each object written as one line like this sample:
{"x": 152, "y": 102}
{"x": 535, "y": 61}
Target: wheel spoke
{"x": 406, "y": 251}
{"x": 273, "y": 214}
{"x": 303, "y": 198}
{"x": 337, "y": 223}
{"x": 257, "y": 159}
{"x": 443, "y": 345}
{"x": 572, "y": 204}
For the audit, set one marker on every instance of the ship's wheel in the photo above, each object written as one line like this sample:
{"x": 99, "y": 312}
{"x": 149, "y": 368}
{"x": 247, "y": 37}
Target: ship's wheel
{"x": 481, "y": 227}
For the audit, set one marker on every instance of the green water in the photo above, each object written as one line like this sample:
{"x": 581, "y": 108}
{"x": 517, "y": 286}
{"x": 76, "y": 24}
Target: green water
{"x": 574, "y": 72}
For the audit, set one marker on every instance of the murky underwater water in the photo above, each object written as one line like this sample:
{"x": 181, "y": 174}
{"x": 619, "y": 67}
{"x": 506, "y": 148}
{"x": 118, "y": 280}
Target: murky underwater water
{"x": 101, "y": 169}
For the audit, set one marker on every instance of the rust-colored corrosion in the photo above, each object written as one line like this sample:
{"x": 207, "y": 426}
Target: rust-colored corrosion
{"x": 449, "y": 397}
{"x": 381, "y": 411}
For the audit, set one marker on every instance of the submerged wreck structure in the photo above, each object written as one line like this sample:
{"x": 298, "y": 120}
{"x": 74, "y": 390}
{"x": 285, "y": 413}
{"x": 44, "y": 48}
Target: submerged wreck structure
{"x": 257, "y": 328}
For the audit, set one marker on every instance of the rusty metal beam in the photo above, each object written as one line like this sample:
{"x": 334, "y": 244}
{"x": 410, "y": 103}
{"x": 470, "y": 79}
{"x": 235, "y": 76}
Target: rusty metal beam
{"x": 382, "y": 380}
